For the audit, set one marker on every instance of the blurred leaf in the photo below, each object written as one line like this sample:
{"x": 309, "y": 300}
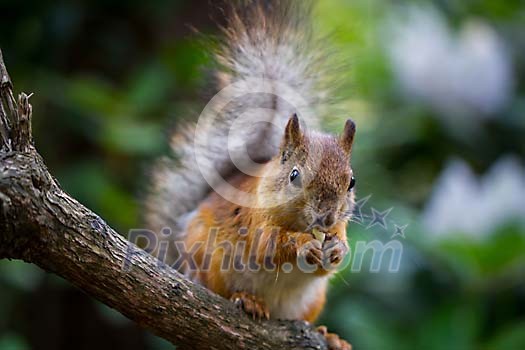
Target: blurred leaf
{"x": 501, "y": 255}
{"x": 511, "y": 338}
{"x": 148, "y": 89}
{"x": 362, "y": 324}
{"x": 12, "y": 341}
{"x": 157, "y": 343}
{"x": 20, "y": 275}
{"x": 93, "y": 95}
{"x": 102, "y": 195}
{"x": 132, "y": 137}
{"x": 450, "y": 327}
{"x": 111, "y": 315}
{"x": 184, "y": 59}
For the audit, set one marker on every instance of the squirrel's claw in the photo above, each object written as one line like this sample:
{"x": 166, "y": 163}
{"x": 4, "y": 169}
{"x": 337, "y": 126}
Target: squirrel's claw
{"x": 312, "y": 252}
{"x": 326, "y": 255}
{"x": 333, "y": 341}
{"x": 251, "y": 304}
{"x": 335, "y": 249}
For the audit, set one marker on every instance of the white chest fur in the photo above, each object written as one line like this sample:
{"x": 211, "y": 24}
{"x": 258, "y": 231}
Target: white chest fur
{"x": 287, "y": 295}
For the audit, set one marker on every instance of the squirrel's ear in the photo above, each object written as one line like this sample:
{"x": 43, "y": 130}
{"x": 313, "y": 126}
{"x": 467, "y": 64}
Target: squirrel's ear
{"x": 347, "y": 138}
{"x": 293, "y": 135}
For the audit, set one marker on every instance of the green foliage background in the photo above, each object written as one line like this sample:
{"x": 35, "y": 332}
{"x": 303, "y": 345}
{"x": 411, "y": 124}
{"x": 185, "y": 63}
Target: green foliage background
{"x": 111, "y": 78}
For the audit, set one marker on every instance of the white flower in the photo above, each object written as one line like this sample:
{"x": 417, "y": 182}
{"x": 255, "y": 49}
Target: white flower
{"x": 468, "y": 74}
{"x": 462, "y": 202}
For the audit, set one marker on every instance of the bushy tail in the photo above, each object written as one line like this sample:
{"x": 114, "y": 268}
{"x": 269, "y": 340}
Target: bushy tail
{"x": 269, "y": 67}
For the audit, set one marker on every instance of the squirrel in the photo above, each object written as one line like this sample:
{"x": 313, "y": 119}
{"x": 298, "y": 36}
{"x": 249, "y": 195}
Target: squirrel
{"x": 268, "y": 228}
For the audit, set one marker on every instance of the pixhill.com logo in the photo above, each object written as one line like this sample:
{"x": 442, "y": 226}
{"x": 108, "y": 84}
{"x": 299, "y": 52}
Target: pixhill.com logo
{"x": 370, "y": 255}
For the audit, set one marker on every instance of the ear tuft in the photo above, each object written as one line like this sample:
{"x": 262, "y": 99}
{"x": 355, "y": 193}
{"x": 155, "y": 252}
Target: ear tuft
{"x": 293, "y": 135}
{"x": 347, "y": 138}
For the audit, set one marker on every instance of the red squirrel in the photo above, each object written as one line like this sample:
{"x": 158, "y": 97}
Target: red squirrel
{"x": 273, "y": 256}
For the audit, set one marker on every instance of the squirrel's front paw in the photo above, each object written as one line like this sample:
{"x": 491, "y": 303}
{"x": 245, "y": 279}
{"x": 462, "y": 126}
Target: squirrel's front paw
{"x": 251, "y": 305}
{"x": 334, "y": 251}
{"x": 333, "y": 341}
{"x": 322, "y": 257}
{"x": 312, "y": 253}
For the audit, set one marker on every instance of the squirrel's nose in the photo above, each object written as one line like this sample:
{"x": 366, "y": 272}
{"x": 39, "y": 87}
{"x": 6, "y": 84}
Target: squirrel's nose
{"x": 325, "y": 221}
{"x": 329, "y": 219}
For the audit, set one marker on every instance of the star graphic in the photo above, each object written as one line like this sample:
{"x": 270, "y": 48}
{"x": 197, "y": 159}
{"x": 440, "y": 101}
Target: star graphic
{"x": 400, "y": 231}
{"x": 358, "y": 213}
{"x": 379, "y": 218}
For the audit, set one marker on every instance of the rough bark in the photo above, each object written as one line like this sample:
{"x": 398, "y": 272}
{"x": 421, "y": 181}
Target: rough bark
{"x": 41, "y": 224}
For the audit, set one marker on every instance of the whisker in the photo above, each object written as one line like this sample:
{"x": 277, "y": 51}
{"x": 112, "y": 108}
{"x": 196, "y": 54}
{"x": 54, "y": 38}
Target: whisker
{"x": 338, "y": 274}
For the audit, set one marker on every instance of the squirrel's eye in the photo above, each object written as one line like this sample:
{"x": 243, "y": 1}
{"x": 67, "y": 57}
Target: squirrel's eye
{"x": 352, "y": 184}
{"x": 294, "y": 177}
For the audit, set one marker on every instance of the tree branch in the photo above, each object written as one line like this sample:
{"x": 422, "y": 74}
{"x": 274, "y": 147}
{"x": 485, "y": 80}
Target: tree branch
{"x": 41, "y": 224}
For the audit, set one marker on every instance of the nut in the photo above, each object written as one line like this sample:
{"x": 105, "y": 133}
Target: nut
{"x": 319, "y": 235}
